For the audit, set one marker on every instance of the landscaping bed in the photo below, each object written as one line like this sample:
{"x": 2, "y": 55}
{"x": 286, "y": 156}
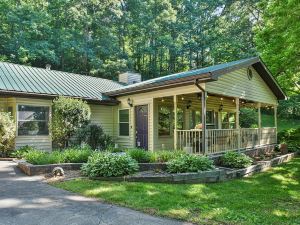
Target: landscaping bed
{"x": 31, "y": 170}
{"x": 218, "y": 174}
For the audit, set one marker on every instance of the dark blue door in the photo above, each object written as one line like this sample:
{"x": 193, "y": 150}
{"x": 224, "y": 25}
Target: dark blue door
{"x": 141, "y": 126}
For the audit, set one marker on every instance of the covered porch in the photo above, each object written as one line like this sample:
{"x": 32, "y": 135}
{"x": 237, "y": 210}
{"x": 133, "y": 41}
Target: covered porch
{"x": 202, "y": 123}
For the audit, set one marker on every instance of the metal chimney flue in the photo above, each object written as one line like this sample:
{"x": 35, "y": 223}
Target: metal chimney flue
{"x": 48, "y": 67}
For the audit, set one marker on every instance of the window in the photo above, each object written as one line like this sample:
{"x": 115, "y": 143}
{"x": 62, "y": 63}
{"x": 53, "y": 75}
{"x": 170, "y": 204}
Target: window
{"x": 33, "y": 120}
{"x": 195, "y": 119}
{"x": 164, "y": 121}
{"x": 228, "y": 120}
{"x": 124, "y": 122}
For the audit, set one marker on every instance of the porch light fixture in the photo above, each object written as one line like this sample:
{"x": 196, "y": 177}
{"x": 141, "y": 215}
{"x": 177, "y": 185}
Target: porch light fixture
{"x": 130, "y": 102}
{"x": 189, "y": 104}
{"x": 162, "y": 100}
{"x": 182, "y": 98}
{"x": 221, "y": 107}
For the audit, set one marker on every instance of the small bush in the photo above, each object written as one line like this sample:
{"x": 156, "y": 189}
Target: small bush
{"x": 36, "y": 157}
{"x": 189, "y": 163}
{"x": 139, "y": 155}
{"x": 70, "y": 155}
{"x": 109, "y": 165}
{"x": 20, "y": 153}
{"x": 7, "y": 133}
{"x": 291, "y": 137}
{"x": 76, "y": 155}
{"x": 165, "y": 156}
{"x": 235, "y": 160}
{"x": 94, "y": 136}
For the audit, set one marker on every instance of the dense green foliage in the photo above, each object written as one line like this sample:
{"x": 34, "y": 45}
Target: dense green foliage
{"x": 103, "y": 38}
{"x": 165, "y": 155}
{"x": 291, "y": 137}
{"x": 268, "y": 198}
{"x": 158, "y": 156}
{"x": 69, "y": 155}
{"x": 20, "y": 153}
{"x": 189, "y": 163}
{"x": 248, "y": 118}
{"x": 94, "y": 136}
{"x": 277, "y": 39}
{"x": 109, "y": 165}
{"x": 68, "y": 115}
{"x": 139, "y": 155}
{"x": 235, "y": 160}
{"x": 7, "y": 133}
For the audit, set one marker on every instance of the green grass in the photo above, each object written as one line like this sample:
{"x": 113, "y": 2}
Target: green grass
{"x": 283, "y": 124}
{"x": 272, "y": 197}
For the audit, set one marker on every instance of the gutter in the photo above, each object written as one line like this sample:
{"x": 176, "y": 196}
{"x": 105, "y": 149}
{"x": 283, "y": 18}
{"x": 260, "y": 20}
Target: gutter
{"x": 8, "y": 93}
{"x": 166, "y": 84}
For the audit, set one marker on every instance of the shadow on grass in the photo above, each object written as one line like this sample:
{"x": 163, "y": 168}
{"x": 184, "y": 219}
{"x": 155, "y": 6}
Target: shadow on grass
{"x": 272, "y": 197}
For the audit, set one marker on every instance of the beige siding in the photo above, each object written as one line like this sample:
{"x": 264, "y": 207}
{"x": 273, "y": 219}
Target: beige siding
{"x": 41, "y": 142}
{"x": 103, "y": 115}
{"x": 237, "y": 84}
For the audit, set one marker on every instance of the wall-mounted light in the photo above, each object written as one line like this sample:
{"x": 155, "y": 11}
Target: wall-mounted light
{"x": 130, "y": 102}
{"x": 182, "y": 98}
{"x": 221, "y": 107}
{"x": 162, "y": 100}
{"x": 189, "y": 104}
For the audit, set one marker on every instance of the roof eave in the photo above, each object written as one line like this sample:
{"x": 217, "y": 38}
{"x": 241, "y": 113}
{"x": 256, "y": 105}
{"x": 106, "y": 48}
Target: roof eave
{"x": 52, "y": 96}
{"x": 171, "y": 83}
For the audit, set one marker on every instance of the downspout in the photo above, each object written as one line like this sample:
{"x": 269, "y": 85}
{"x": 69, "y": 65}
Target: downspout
{"x": 203, "y": 115}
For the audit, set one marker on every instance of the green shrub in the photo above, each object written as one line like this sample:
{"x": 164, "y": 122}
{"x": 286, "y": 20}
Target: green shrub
{"x": 165, "y": 155}
{"x": 70, "y": 155}
{"x": 36, "y": 157}
{"x": 189, "y": 163}
{"x": 7, "y": 133}
{"x": 76, "y": 155}
{"x": 235, "y": 160}
{"x": 291, "y": 137}
{"x": 19, "y": 153}
{"x": 94, "y": 136}
{"x": 139, "y": 155}
{"x": 109, "y": 165}
{"x": 68, "y": 115}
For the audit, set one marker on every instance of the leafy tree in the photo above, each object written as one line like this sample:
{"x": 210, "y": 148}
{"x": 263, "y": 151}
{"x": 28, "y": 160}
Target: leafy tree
{"x": 248, "y": 118}
{"x": 68, "y": 115}
{"x": 7, "y": 133}
{"x": 277, "y": 39}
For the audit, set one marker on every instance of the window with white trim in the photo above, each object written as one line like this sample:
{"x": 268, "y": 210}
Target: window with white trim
{"x": 33, "y": 120}
{"x": 124, "y": 122}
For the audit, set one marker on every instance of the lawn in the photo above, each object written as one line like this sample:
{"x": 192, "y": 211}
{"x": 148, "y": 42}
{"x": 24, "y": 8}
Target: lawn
{"x": 268, "y": 121}
{"x": 272, "y": 197}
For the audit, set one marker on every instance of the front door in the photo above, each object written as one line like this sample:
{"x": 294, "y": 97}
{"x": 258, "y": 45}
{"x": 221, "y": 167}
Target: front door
{"x": 141, "y": 126}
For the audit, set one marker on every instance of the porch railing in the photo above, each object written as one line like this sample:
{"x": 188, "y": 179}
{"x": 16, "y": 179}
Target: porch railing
{"x": 221, "y": 140}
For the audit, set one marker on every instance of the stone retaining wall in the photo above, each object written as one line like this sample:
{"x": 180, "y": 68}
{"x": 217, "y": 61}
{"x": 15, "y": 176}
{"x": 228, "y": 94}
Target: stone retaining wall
{"x": 32, "y": 170}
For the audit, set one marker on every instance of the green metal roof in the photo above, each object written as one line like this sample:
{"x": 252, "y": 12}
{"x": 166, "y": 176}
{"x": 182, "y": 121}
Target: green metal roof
{"x": 206, "y": 74}
{"x": 37, "y": 81}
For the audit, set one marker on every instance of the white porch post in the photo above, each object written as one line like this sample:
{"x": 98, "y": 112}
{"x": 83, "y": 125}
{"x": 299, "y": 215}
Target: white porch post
{"x": 204, "y": 132}
{"x": 237, "y": 120}
{"x": 259, "y": 122}
{"x": 175, "y": 122}
{"x": 275, "y": 120}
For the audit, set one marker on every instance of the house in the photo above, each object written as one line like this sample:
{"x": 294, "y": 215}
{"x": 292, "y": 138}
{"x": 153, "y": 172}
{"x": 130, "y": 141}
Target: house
{"x": 206, "y": 103}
